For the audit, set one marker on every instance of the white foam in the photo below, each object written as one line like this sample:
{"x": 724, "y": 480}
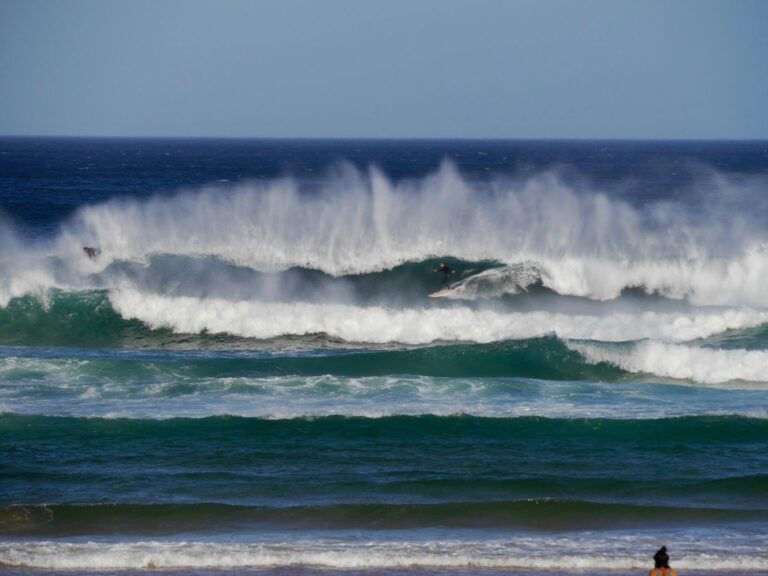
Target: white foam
{"x": 586, "y": 243}
{"x": 703, "y": 365}
{"x": 577, "y": 552}
{"x": 378, "y": 324}
{"x": 63, "y": 390}
{"x": 497, "y": 282}
{"x": 704, "y": 281}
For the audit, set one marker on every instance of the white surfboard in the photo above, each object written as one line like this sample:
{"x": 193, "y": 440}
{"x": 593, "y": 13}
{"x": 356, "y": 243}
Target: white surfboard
{"x": 442, "y": 293}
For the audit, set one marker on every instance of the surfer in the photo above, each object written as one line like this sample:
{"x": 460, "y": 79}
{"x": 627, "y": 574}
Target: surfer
{"x": 661, "y": 561}
{"x": 447, "y": 271}
{"x": 91, "y": 252}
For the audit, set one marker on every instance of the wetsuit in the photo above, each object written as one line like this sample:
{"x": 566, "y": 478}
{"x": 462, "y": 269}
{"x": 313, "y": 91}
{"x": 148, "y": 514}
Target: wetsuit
{"x": 446, "y": 275}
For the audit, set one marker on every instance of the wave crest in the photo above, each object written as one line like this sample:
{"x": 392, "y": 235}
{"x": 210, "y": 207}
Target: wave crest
{"x": 710, "y": 245}
{"x": 685, "y": 362}
{"x": 381, "y": 324}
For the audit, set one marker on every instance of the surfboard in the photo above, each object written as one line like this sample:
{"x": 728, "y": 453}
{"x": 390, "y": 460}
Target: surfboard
{"x": 441, "y": 293}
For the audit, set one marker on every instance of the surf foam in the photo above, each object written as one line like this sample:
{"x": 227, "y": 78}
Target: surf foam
{"x": 377, "y": 324}
{"x": 578, "y": 552}
{"x": 686, "y": 362}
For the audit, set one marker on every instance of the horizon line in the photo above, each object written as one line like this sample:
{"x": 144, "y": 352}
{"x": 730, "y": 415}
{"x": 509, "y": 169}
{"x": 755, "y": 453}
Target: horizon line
{"x": 384, "y": 138}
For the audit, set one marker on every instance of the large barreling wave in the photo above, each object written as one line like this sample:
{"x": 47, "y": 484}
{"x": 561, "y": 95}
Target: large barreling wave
{"x": 351, "y": 257}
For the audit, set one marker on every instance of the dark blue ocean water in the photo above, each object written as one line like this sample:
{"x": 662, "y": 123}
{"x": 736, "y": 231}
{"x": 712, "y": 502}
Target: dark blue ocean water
{"x": 249, "y": 374}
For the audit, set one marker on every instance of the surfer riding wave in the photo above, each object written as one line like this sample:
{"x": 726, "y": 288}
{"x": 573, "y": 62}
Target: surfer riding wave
{"x": 447, "y": 271}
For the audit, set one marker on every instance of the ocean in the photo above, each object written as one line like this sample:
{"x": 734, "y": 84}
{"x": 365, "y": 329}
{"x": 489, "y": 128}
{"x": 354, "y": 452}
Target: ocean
{"x": 248, "y": 376}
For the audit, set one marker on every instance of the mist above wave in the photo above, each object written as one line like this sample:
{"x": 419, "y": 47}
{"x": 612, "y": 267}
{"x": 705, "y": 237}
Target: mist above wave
{"x": 707, "y": 244}
{"x": 362, "y": 221}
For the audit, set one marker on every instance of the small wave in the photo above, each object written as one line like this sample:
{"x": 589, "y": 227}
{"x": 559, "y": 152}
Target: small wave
{"x": 686, "y": 362}
{"x": 532, "y": 514}
{"x": 607, "y": 431}
{"x": 706, "y": 551}
{"x": 541, "y": 377}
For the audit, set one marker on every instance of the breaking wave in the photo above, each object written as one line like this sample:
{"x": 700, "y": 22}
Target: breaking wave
{"x": 701, "y": 551}
{"x": 382, "y": 324}
{"x": 130, "y": 317}
{"x": 602, "y": 345}
{"x": 574, "y": 240}
{"x": 350, "y": 259}
{"x": 680, "y": 361}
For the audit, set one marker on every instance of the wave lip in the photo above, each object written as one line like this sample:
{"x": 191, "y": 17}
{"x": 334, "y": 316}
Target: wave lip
{"x": 685, "y": 362}
{"x": 132, "y": 318}
{"x": 378, "y": 324}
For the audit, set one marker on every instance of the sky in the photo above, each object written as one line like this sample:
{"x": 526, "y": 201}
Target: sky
{"x": 639, "y": 69}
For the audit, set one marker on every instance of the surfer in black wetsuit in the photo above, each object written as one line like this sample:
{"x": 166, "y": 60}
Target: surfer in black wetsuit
{"x": 446, "y": 275}
{"x": 91, "y": 252}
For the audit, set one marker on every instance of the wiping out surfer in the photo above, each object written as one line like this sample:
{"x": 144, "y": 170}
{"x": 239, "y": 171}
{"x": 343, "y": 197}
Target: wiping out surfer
{"x": 91, "y": 252}
{"x": 447, "y": 271}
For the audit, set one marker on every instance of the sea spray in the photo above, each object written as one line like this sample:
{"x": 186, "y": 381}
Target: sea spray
{"x": 584, "y": 241}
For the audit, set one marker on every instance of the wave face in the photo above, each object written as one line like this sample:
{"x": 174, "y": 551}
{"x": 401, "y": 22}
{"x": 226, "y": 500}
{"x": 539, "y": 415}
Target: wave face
{"x": 554, "y": 342}
{"x": 248, "y": 372}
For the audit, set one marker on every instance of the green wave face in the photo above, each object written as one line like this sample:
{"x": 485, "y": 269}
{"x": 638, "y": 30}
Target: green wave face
{"x": 71, "y": 319}
{"x": 86, "y": 317}
{"x": 546, "y": 359}
{"x": 88, "y": 320}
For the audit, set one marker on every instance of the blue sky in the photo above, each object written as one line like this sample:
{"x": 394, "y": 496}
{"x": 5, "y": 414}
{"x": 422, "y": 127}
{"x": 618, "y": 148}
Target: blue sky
{"x": 385, "y": 68}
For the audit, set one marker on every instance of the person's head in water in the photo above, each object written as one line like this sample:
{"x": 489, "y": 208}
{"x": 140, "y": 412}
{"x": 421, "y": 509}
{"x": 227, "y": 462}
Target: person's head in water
{"x": 661, "y": 558}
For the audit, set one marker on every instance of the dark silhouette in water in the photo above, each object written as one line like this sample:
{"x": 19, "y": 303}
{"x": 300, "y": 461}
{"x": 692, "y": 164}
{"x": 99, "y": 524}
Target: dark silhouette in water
{"x": 661, "y": 563}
